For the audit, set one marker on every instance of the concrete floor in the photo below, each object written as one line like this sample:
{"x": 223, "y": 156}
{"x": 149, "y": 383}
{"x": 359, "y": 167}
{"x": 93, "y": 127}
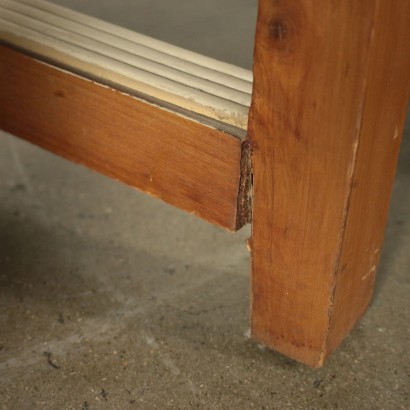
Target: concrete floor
{"x": 110, "y": 299}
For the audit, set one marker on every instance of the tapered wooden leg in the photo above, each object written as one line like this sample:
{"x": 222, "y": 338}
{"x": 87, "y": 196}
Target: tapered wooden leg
{"x": 331, "y": 84}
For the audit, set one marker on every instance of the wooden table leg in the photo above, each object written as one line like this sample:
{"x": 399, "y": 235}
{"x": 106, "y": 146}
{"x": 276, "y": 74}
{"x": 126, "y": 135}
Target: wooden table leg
{"x": 331, "y": 84}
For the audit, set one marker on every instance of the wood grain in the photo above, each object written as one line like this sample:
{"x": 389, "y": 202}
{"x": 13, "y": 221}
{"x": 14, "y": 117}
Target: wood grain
{"x": 384, "y": 112}
{"x": 187, "y": 164}
{"x": 331, "y": 83}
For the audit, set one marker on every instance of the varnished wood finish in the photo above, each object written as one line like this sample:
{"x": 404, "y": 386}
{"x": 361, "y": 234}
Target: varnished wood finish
{"x": 385, "y": 106}
{"x": 187, "y": 164}
{"x": 331, "y": 83}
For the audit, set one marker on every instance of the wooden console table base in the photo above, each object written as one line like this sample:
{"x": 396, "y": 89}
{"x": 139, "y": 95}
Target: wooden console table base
{"x": 313, "y": 170}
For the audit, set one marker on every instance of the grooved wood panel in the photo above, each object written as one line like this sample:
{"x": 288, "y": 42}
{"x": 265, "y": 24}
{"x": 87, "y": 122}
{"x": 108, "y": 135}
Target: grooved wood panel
{"x": 185, "y": 163}
{"x": 331, "y": 83}
{"x": 187, "y": 81}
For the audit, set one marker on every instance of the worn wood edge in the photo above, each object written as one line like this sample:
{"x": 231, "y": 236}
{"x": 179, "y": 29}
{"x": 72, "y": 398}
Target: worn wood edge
{"x": 231, "y": 224}
{"x": 244, "y": 212}
{"x": 219, "y": 103}
{"x": 308, "y": 356}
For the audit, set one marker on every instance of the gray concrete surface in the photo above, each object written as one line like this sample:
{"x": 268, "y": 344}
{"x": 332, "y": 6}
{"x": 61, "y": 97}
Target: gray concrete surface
{"x": 110, "y": 299}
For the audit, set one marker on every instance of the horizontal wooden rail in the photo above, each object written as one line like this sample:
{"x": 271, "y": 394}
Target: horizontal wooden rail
{"x": 162, "y": 119}
{"x": 187, "y": 164}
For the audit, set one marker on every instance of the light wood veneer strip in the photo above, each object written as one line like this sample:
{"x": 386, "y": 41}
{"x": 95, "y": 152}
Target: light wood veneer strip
{"x": 135, "y": 62}
{"x": 135, "y": 43}
{"x": 166, "y": 48}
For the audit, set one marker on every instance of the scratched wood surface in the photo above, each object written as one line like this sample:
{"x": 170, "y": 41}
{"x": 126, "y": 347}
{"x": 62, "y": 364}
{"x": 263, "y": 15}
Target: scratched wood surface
{"x": 331, "y": 83}
{"x": 187, "y": 164}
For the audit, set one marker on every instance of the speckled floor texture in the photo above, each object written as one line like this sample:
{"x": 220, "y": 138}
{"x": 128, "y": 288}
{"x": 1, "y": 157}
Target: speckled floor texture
{"x": 110, "y": 299}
